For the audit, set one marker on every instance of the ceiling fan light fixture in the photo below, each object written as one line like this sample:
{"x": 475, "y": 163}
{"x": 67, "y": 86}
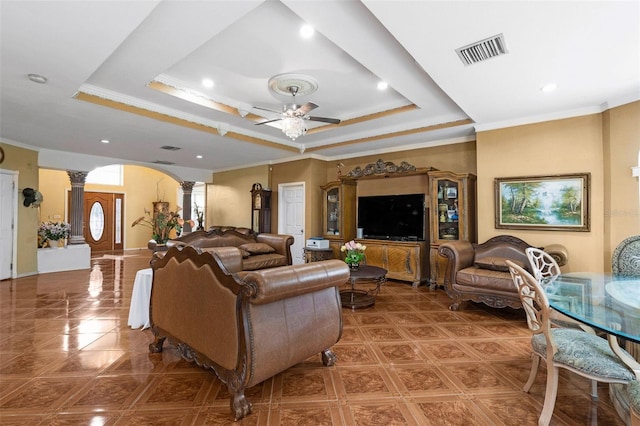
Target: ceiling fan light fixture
{"x": 294, "y": 127}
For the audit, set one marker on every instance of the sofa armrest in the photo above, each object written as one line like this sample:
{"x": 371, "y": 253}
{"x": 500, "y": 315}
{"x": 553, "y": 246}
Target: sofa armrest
{"x": 282, "y": 243}
{"x": 283, "y": 282}
{"x": 460, "y": 254}
{"x": 559, "y": 253}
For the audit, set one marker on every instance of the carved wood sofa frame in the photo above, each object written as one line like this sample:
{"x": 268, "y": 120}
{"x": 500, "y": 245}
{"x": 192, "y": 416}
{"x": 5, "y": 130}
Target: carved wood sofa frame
{"x": 466, "y": 280}
{"x": 246, "y": 326}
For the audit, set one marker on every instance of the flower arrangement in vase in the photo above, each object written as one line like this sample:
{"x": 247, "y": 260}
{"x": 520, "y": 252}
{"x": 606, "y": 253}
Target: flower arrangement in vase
{"x": 354, "y": 254}
{"x": 54, "y": 232}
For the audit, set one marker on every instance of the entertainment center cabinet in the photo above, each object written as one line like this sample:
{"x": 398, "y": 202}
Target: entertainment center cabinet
{"x": 403, "y": 260}
{"x": 412, "y": 259}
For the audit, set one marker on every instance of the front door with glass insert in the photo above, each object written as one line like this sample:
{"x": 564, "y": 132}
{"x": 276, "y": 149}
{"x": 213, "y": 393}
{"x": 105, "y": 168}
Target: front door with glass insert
{"x": 103, "y": 214}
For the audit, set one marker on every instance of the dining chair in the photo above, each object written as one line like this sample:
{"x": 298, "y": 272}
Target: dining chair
{"x": 626, "y": 257}
{"x": 633, "y": 392}
{"x": 626, "y": 261}
{"x": 543, "y": 265}
{"x": 575, "y": 350}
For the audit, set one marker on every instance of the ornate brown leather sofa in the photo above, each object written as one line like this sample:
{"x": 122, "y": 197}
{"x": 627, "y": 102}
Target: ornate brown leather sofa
{"x": 246, "y": 326}
{"x": 224, "y": 228}
{"x": 477, "y": 272}
{"x": 259, "y": 251}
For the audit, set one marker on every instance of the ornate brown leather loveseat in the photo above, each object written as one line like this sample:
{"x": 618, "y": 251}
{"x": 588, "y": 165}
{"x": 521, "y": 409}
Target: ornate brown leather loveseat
{"x": 478, "y": 272}
{"x": 259, "y": 251}
{"x": 246, "y": 326}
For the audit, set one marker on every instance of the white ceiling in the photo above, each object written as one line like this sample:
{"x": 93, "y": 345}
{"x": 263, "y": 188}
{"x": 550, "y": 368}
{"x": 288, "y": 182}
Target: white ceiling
{"x": 111, "y": 51}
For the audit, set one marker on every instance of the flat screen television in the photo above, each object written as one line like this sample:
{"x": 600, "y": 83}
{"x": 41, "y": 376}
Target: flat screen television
{"x": 392, "y": 217}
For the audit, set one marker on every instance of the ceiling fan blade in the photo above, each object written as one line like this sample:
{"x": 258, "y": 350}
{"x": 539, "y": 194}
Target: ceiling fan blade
{"x": 269, "y": 121}
{"x": 304, "y": 109}
{"x": 325, "y": 120}
{"x": 267, "y": 109}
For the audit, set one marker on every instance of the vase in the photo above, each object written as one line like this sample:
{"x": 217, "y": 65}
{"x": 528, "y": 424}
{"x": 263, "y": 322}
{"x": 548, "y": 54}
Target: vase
{"x": 354, "y": 266}
{"x": 55, "y": 243}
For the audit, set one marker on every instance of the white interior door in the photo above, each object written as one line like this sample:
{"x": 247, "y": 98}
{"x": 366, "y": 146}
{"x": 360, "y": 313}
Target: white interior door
{"x": 291, "y": 217}
{"x": 8, "y": 203}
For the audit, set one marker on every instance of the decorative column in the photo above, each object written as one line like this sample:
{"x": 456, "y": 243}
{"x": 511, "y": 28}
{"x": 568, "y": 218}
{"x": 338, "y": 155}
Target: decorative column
{"x": 76, "y": 214}
{"x": 187, "y": 189}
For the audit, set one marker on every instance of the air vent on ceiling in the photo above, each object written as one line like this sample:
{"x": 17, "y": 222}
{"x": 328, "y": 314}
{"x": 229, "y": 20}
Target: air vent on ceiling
{"x": 170, "y": 148}
{"x": 166, "y": 163}
{"x": 482, "y": 50}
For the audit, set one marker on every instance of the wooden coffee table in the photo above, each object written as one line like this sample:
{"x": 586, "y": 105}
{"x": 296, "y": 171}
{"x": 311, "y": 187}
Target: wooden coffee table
{"x": 357, "y": 299}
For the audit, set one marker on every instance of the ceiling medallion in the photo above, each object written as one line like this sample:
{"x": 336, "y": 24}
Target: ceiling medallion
{"x": 282, "y": 83}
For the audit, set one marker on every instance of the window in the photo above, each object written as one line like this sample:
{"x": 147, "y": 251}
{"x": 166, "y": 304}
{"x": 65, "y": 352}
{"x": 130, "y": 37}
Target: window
{"x": 108, "y": 175}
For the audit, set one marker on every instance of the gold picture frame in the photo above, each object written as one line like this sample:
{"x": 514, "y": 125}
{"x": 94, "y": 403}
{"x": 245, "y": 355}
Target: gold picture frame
{"x": 549, "y": 203}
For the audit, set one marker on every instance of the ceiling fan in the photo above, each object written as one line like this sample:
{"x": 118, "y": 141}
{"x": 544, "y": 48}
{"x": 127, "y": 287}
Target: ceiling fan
{"x": 294, "y": 116}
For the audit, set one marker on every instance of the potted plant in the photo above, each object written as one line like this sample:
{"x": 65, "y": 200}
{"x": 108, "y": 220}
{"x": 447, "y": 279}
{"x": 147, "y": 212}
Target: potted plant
{"x": 161, "y": 221}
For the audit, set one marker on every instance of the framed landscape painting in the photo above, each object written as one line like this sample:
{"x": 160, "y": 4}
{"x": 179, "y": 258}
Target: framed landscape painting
{"x": 554, "y": 203}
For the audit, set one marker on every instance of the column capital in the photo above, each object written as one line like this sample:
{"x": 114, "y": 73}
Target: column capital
{"x": 77, "y": 177}
{"x": 187, "y": 186}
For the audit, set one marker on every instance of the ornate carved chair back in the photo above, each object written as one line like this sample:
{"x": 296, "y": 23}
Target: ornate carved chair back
{"x": 542, "y": 264}
{"x": 626, "y": 257}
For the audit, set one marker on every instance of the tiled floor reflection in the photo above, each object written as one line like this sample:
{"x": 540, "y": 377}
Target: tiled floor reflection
{"x": 67, "y": 356}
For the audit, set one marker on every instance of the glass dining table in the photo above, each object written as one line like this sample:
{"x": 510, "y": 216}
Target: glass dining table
{"x": 608, "y": 303}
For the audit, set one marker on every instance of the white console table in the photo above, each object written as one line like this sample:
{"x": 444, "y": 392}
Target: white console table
{"x": 69, "y": 258}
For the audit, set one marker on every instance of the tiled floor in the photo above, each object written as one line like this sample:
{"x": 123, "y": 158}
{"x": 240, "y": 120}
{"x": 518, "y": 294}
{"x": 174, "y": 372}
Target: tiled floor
{"x": 67, "y": 356}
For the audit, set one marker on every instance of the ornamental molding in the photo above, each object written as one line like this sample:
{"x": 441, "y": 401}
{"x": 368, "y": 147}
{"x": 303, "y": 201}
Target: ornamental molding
{"x": 381, "y": 168}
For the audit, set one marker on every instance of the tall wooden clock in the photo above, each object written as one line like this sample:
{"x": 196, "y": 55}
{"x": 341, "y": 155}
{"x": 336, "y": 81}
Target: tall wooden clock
{"x": 260, "y": 209}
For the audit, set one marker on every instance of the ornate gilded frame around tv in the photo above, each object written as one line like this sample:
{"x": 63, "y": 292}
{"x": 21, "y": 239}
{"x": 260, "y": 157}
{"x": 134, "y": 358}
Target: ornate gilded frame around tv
{"x": 549, "y": 203}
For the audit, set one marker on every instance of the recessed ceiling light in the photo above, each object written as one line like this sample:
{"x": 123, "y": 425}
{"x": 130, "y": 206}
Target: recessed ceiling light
{"x": 548, "y": 87}
{"x": 306, "y": 31}
{"x": 382, "y": 85}
{"x": 104, "y": 140}
{"x": 198, "y": 156}
{"x": 37, "y": 78}
{"x": 207, "y": 82}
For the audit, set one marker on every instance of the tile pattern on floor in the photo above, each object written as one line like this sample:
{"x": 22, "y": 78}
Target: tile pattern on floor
{"x": 67, "y": 356}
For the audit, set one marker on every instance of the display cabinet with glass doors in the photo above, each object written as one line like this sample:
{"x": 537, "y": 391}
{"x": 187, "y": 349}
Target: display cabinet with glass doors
{"x": 339, "y": 213}
{"x": 452, "y": 215}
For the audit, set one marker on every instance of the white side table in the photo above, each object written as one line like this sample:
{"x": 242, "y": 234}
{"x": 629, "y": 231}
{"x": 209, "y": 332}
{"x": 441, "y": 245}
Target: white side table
{"x": 140, "y": 297}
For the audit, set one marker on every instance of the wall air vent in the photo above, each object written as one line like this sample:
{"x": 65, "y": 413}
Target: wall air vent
{"x": 482, "y": 50}
{"x": 170, "y": 148}
{"x": 166, "y": 163}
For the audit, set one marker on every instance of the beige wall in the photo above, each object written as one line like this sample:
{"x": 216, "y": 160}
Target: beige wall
{"x": 574, "y": 145}
{"x": 229, "y": 198}
{"x": 621, "y": 200}
{"x": 25, "y": 162}
{"x": 141, "y": 187}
